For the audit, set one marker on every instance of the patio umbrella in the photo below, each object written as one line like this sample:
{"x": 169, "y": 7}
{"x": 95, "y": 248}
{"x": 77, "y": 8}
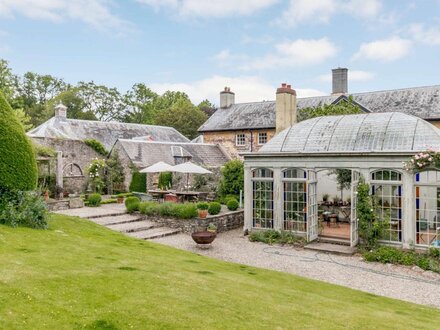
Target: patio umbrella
{"x": 190, "y": 168}
{"x": 159, "y": 167}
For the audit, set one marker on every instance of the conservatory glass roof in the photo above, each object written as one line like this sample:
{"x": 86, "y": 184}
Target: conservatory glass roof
{"x": 372, "y": 132}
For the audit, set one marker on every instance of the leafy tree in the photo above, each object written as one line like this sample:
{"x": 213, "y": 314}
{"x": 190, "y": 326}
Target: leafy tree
{"x": 232, "y": 178}
{"x": 104, "y": 102}
{"x": 18, "y": 167}
{"x": 115, "y": 172}
{"x": 74, "y": 103}
{"x": 33, "y": 91}
{"x": 344, "y": 107}
{"x": 343, "y": 178}
{"x": 141, "y": 105}
{"x": 184, "y": 117}
{"x": 7, "y": 80}
{"x": 207, "y": 107}
{"x": 24, "y": 119}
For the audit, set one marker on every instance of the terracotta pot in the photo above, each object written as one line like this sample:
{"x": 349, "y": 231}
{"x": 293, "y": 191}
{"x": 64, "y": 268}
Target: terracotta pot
{"x": 120, "y": 200}
{"x": 203, "y": 237}
{"x": 203, "y": 214}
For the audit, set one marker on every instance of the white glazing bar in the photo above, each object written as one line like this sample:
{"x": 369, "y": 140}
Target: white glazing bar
{"x": 247, "y": 198}
{"x": 278, "y": 199}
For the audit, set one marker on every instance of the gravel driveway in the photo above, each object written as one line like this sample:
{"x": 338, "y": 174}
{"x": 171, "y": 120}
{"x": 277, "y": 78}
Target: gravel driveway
{"x": 405, "y": 283}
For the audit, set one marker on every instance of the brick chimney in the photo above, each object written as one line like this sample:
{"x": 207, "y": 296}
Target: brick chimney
{"x": 227, "y": 98}
{"x": 285, "y": 107}
{"x": 339, "y": 81}
{"x": 60, "y": 111}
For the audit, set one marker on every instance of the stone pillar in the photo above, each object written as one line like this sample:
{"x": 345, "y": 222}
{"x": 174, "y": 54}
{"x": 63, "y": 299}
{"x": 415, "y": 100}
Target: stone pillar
{"x": 408, "y": 210}
{"x": 59, "y": 171}
{"x": 247, "y": 198}
{"x": 278, "y": 215}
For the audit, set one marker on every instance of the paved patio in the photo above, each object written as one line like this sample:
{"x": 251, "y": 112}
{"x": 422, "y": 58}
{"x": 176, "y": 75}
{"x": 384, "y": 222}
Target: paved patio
{"x": 405, "y": 283}
{"x": 93, "y": 212}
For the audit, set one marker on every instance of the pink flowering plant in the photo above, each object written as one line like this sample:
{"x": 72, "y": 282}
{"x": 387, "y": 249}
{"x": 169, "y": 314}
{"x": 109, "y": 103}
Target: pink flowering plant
{"x": 422, "y": 160}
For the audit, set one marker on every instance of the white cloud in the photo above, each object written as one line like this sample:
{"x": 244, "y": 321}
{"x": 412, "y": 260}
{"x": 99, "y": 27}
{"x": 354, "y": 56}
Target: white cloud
{"x": 95, "y": 13}
{"x": 300, "y": 52}
{"x": 321, "y": 11}
{"x": 353, "y": 75}
{"x": 386, "y": 50}
{"x": 206, "y": 8}
{"x": 246, "y": 89}
{"x": 226, "y": 58}
{"x": 426, "y": 35}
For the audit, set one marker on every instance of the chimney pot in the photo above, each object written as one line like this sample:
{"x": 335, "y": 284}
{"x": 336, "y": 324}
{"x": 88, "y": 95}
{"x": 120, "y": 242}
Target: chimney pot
{"x": 227, "y": 98}
{"x": 289, "y": 86}
{"x": 283, "y": 85}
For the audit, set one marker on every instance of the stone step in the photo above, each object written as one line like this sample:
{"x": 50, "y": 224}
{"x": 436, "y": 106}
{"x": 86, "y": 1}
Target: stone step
{"x": 331, "y": 248}
{"x": 155, "y": 233}
{"x": 106, "y": 215}
{"x": 130, "y": 227}
{"x": 333, "y": 240}
{"x": 117, "y": 219}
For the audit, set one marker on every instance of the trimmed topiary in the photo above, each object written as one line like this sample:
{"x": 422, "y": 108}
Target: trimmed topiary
{"x": 214, "y": 208}
{"x": 132, "y": 204}
{"x": 94, "y": 200}
{"x": 232, "y": 204}
{"x": 18, "y": 167}
{"x": 138, "y": 182}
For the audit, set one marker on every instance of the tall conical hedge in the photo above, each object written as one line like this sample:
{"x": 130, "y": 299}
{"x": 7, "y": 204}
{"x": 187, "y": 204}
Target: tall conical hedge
{"x": 18, "y": 167}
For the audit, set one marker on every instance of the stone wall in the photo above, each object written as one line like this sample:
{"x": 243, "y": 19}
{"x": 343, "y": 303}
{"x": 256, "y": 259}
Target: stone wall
{"x": 65, "y": 204}
{"x": 226, "y": 139}
{"x": 224, "y": 222}
{"x": 74, "y": 152}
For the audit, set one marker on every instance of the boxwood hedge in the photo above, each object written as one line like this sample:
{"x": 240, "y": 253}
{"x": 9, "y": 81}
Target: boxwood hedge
{"x": 18, "y": 167}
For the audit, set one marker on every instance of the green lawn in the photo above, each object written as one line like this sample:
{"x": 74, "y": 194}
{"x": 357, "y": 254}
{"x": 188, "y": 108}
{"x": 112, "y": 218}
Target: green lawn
{"x": 80, "y": 275}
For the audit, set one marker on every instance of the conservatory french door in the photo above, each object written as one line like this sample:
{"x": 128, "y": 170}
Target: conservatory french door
{"x": 354, "y": 223}
{"x": 312, "y": 207}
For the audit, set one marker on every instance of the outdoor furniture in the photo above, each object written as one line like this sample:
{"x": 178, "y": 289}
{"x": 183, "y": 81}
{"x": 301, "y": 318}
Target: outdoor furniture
{"x": 171, "y": 198}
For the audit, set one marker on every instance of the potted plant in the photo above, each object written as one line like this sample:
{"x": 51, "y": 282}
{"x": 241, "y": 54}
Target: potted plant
{"x": 46, "y": 195}
{"x": 325, "y": 198}
{"x": 202, "y": 208}
{"x": 212, "y": 228}
{"x": 120, "y": 198}
{"x": 336, "y": 200}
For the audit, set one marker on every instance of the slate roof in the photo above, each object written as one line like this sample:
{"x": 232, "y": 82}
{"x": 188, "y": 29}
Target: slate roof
{"x": 106, "y": 132}
{"x": 372, "y": 132}
{"x": 423, "y": 102}
{"x": 146, "y": 153}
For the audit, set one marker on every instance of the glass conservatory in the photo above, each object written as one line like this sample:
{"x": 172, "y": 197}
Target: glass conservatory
{"x": 285, "y": 184}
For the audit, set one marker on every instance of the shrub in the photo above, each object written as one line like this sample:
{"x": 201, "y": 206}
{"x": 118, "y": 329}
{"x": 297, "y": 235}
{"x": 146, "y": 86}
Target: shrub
{"x": 167, "y": 209}
{"x": 44, "y": 151}
{"x": 18, "y": 167}
{"x": 23, "y": 208}
{"x": 138, "y": 182}
{"x": 97, "y": 146}
{"x": 232, "y": 178}
{"x": 202, "y": 206}
{"x": 226, "y": 198}
{"x": 94, "y": 200}
{"x": 165, "y": 180}
{"x": 185, "y": 211}
{"x": 273, "y": 236}
{"x": 232, "y": 204}
{"x": 149, "y": 208}
{"x": 214, "y": 208}
{"x": 132, "y": 204}
{"x": 109, "y": 201}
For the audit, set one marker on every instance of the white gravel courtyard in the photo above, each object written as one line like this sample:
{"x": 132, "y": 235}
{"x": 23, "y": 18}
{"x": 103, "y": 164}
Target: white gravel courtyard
{"x": 405, "y": 283}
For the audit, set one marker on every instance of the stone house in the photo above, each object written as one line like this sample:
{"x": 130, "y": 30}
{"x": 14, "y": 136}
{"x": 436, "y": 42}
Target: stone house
{"x": 246, "y": 127}
{"x": 66, "y": 136}
{"x": 136, "y": 153}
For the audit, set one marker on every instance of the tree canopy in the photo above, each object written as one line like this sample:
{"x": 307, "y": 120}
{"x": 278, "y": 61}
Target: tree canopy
{"x": 344, "y": 107}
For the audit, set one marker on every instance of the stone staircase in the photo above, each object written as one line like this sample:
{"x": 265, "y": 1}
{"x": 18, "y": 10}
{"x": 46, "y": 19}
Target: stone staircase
{"x": 133, "y": 225}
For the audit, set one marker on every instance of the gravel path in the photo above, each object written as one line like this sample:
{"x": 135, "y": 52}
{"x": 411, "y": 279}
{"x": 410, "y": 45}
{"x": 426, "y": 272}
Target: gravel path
{"x": 410, "y": 284}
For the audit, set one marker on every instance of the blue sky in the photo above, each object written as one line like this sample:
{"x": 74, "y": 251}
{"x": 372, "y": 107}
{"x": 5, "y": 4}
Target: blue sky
{"x": 201, "y": 46}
